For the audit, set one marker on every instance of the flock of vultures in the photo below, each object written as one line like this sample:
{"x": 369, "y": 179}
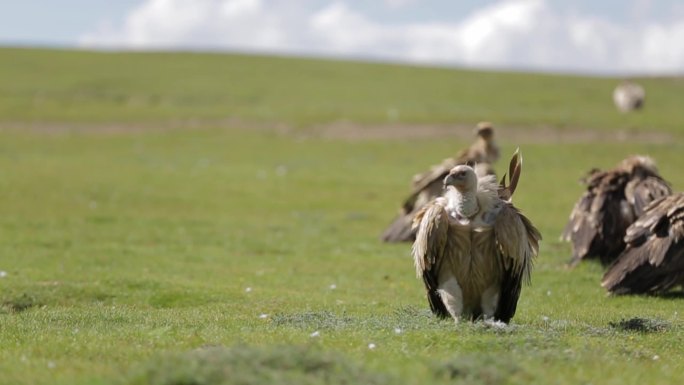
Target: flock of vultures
{"x": 474, "y": 250}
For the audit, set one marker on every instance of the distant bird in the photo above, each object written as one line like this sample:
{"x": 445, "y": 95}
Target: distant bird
{"x": 629, "y": 96}
{"x": 428, "y": 185}
{"x": 612, "y": 201}
{"x": 653, "y": 261}
{"x": 473, "y": 248}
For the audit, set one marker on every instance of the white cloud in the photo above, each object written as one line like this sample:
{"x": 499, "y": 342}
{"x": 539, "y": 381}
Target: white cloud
{"x": 399, "y": 3}
{"x": 528, "y": 34}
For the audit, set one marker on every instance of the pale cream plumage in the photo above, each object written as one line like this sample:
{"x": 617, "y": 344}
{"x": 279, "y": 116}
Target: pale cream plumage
{"x": 428, "y": 185}
{"x": 473, "y": 248}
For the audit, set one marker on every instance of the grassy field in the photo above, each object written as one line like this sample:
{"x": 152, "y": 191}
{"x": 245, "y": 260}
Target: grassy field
{"x": 209, "y": 252}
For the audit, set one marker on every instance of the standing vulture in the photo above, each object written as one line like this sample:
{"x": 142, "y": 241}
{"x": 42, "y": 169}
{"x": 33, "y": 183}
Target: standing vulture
{"x": 473, "y": 248}
{"x": 653, "y": 261}
{"x": 428, "y": 185}
{"x": 613, "y": 200}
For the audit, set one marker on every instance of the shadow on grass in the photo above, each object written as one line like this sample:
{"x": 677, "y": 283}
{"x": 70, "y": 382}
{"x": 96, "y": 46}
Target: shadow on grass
{"x": 20, "y": 299}
{"x": 251, "y": 365}
{"x": 477, "y": 369}
{"x": 20, "y": 303}
{"x": 674, "y": 295}
{"x": 641, "y": 325}
{"x": 290, "y": 365}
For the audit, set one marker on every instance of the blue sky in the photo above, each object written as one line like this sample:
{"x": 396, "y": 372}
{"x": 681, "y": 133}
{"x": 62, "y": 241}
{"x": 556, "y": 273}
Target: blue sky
{"x": 607, "y": 36}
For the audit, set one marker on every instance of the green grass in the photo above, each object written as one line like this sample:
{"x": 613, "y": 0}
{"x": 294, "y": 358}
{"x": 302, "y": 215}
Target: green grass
{"x": 129, "y": 254}
{"x": 38, "y": 85}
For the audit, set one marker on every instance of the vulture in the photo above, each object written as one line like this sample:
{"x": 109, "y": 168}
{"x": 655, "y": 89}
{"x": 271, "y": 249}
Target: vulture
{"x": 428, "y": 185}
{"x": 473, "y": 248}
{"x": 653, "y": 261}
{"x": 612, "y": 201}
{"x": 628, "y": 96}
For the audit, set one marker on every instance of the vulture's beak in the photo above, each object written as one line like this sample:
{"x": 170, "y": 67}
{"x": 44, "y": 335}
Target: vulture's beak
{"x": 449, "y": 180}
{"x": 454, "y": 178}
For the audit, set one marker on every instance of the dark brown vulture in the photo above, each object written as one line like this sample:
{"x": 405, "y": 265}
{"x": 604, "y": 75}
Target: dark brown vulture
{"x": 473, "y": 248}
{"x": 429, "y": 185}
{"x": 653, "y": 261}
{"x": 612, "y": 201}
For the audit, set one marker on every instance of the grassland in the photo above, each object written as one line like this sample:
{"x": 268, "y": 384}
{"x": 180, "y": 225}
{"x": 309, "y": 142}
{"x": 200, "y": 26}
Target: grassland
{"x": 208, "y": 251}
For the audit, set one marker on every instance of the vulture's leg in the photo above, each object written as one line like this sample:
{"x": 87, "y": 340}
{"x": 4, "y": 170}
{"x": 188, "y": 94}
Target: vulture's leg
{"x": 490, "y": 298}
{"x": 452, "y": 296}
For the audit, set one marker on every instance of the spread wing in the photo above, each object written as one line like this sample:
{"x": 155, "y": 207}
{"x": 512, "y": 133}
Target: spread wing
{"x": 599, "y": 218}
{"x": 428, "y": 251}
{"x": 517, "y": 243}
{"x": 653, "y": 261}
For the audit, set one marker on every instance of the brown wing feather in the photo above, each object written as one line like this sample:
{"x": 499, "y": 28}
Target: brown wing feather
{"x": 653, "y": 261}
{"x": 518, "y": 244}
{"x": 514, "y": 169}
{"x": 599, "y": 218}
{"x": 612, "y": 202}
{"x": 436, "y": 173}
{"x": 641, "y": 192}
{"x": 428, "y": 251}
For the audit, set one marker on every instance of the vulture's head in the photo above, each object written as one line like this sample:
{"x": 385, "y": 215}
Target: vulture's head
{"x": 639, "y": 164}
{"x": 462, "y": 178}
{"x": 485, "y": 130}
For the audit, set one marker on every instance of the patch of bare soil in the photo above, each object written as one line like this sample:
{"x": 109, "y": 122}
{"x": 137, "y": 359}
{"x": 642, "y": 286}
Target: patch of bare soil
{"x": 350, "y": 131}
{"x": 134, "y": 127}
{"x": 356, "y": 132}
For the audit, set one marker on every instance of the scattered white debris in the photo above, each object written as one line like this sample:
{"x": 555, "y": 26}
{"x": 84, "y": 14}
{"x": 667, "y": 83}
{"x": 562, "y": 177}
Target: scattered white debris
{"x": 371, "y": 346}
{"x": 397, "y": 330}
{"x": 495, "y": 324}
{"x": 51, "y": 365}
{"x": 3, "y": 274}
{"x": 315, "y": 334}
{"x": 656, "y": 357}
{"x": 248, "y": 290}
{"x": 339, "y": 302}
{"x": 545, "y": 318}
{"x": 548, "y": 293}
{"x": 333, "y": 287}
{"x": 263, "y": 316}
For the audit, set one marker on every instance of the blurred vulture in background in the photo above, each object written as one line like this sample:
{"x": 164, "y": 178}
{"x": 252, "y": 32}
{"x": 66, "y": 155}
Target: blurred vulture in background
{"x": 473, "y": 248}
{"x": 653, "y": 261}
{"x": 429, "y": 185}
{"x": 629, "y": 96}
{"x": 613, "y": 200}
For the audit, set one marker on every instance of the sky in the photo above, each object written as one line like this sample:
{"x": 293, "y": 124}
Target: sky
{"x": 617, "y": 37}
